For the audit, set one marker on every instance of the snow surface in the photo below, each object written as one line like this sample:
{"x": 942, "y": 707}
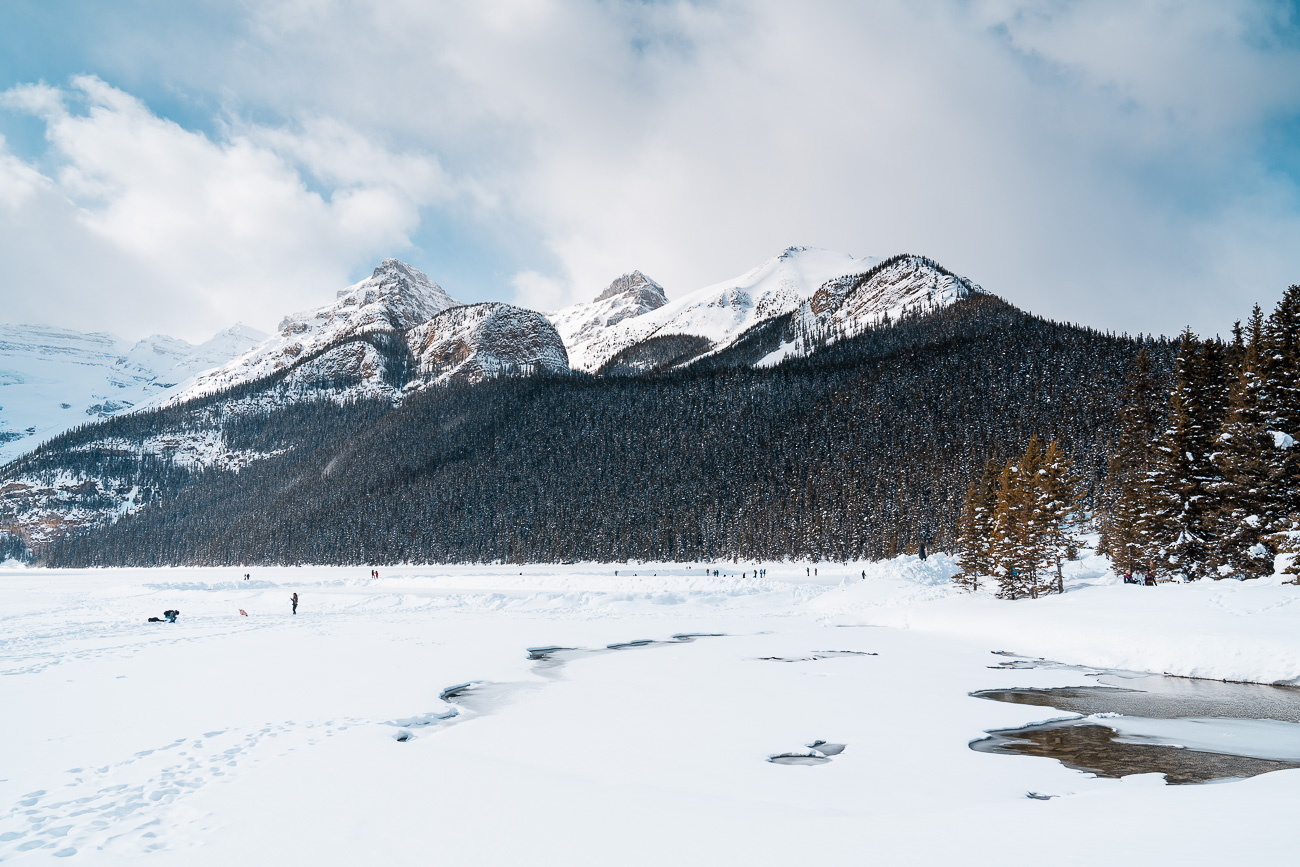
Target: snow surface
{"x": 332, "y": 737}
{"x": 54, "y": 379}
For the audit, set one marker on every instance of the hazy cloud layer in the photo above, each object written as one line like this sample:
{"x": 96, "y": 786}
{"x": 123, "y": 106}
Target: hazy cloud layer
{"x": 1133, "y": 166}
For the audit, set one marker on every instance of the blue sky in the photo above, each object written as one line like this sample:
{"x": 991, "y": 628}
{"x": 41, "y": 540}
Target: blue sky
{"x": 177, "y": 167}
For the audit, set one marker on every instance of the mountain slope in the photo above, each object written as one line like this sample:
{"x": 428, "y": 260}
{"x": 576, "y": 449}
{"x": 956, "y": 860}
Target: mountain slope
{"x": 53, "y": 379}
{"x": 392, "y": 300}
{"x": 717, "y": 315}
{"x": 582, "y": 326}
{"x": 860, "y": 449}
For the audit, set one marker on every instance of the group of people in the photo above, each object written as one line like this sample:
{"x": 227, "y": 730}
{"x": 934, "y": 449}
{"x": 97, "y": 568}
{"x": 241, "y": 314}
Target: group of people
{"x": 1148, "y": 580}
{"x": 374, "y": 573}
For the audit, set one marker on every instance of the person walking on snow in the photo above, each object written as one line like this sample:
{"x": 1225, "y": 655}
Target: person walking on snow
{"x": 294, "y": 600}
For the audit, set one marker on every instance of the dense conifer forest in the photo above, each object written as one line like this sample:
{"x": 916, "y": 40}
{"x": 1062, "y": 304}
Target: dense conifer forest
{"x": 1203, "y": 480}
{"x": 864, "y": 449}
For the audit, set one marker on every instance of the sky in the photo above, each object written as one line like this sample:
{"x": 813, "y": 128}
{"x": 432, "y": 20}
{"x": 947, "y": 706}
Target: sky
{"x": 177, "y": 167}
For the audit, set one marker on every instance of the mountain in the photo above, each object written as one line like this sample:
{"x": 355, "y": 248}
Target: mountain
{"x": 480, "y": 341}
{"x": 862, "y": 447}
{"x": 818, "y": 405}
{"x": 53, "y": 379}
{"x": 583, "y": 326}
{"x": 336, "y": 343}
{"x": 710, "y": 319}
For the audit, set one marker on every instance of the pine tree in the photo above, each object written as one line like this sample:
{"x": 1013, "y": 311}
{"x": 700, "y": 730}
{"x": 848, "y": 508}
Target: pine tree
{"x": 1017, "y": 547}
{"x": 1128, "y": 513}
{"x": 1058, "y": 489}
{"x": 1242, "y": 517}
{"x": 1184, "y": 470}
{"x": 1280, "y": 410}
{"x": 975, "y": 532}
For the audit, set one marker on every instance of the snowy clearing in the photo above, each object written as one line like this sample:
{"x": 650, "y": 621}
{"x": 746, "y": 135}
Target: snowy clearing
{"x": 404, "y": 719}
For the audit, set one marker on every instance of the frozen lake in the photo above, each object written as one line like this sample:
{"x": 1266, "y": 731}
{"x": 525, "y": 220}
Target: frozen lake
{"x": 568, "y": 716}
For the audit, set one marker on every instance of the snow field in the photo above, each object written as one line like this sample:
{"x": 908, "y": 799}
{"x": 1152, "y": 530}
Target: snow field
{"x": 270, "y": 738}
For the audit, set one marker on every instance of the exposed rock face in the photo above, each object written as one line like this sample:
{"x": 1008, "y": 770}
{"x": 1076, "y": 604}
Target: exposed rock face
{"x": 394, "y": 299}
{"x": 479, "y": 341}
{"x": 583, "y": 326}
{"x": 637, "y": 287}
{"x": 898, "y": 287}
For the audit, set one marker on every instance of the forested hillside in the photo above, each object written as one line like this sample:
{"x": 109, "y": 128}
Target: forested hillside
{"x": 863, "y": 449}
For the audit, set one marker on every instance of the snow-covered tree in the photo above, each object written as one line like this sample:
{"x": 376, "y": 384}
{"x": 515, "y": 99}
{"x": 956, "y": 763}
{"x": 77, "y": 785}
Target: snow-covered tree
{"x": 1184, "y": 470}
{"x": 975, "y": 529}
{"x": 1127, "y": 514}
{"x": 1242, "y": 516}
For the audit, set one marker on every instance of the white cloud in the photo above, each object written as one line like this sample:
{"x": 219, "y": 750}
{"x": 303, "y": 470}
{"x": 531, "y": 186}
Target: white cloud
{"x": 226, "y": 229}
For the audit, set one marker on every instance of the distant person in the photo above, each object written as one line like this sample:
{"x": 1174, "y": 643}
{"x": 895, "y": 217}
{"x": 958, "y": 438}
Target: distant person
{"x": 245, "y": 576}
{"x": 864, "y": 574}
{"x": 1150, "y": 579}
{"x": 294, "y": 600}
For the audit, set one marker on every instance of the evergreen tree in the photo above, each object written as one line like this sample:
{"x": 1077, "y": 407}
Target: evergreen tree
{"x": 1128, "y": 511}
{"x": 975, "y": 532}
{"x": 1280, "y": 409}
{"x": 1242, "y": 517}
{"x": 1184, "y": 470}
{"x": 1058, "y": 494}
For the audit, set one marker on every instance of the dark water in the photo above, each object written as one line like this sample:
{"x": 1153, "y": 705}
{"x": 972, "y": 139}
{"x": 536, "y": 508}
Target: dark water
{"x": 1093, "y": 747}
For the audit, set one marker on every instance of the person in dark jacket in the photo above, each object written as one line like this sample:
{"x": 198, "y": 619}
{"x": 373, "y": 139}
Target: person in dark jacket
{"x": 294, "y": 600}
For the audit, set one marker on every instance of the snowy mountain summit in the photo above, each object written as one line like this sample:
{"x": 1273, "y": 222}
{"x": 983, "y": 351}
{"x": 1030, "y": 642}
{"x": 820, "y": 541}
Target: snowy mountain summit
{"x": 583, "y": 325}
{"x": 337, "y": 342}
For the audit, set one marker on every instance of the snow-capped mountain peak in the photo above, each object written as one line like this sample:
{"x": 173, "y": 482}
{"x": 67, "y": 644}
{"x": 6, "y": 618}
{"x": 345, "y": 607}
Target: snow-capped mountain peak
{"x": 715, "y": 316}
{"x": 396, "y": 295}
{"x": 635, "y": 283}
{"x": 582, "y": 326}
{"x": 53, "y": 379}
{"x": 394, "y": 299}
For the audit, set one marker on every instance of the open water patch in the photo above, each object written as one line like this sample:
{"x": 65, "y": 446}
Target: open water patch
{"x": 818, "y": 752}
{"x": 1188, "y": 729}
{"x": 477, "y": 697}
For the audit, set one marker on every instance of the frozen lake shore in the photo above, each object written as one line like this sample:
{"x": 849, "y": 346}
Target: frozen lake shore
{"x": 405, "y": 719}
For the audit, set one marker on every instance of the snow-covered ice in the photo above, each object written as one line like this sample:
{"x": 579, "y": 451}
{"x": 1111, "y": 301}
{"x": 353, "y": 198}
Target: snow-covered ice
{"x": 404, "y": 721}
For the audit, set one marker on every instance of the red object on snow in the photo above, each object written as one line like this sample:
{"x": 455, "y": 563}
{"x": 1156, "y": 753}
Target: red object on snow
{"x": 243, "y": 612}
